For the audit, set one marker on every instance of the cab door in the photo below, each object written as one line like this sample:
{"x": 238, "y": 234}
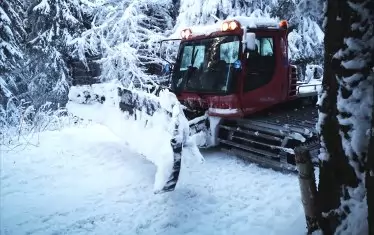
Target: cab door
{"x": 261, "y": 86}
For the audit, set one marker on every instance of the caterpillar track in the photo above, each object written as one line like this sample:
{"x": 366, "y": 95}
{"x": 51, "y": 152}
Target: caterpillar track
{"x": 269, "y": 139}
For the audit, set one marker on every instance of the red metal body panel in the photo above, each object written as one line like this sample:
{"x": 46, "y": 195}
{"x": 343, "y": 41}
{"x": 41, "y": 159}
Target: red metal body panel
{"x": 276, "y": 90}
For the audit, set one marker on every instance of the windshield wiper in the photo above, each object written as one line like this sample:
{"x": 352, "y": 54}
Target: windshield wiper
{"x": 188, "y": 73}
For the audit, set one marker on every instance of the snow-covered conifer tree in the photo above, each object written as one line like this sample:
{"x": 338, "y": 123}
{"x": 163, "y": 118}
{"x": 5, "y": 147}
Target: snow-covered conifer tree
{"x": 200, "y": 12}
{"x": 306, "y": 39}
{"x": 126, "y": 33}
{"x": 310, "y": 9}
{"x": 306, "y": 46}
{"x": 51, "y": 24}
{"x": 11, "y": 54}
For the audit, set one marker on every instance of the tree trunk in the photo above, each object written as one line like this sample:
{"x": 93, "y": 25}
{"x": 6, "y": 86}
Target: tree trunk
{"x": 355, "y": 68}
{"x": 335, "y": 170}
{"x": 329, "y": 186}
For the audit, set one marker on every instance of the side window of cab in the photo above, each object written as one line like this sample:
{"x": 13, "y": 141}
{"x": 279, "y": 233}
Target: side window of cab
{"x": 260, "y": 64}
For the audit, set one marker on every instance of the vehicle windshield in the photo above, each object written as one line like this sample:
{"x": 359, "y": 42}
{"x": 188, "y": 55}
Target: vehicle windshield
{"x": 207, "y": 65}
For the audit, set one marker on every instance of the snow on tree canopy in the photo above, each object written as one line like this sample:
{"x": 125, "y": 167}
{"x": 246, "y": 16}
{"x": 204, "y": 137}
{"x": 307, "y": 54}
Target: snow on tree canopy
{"x": 126, "y": 33}
{"x": 52, "y": 24}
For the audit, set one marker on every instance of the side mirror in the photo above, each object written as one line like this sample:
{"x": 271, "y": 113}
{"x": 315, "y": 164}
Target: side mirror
{"x": 166, "y": 70}
{"x": 250, "y": 41}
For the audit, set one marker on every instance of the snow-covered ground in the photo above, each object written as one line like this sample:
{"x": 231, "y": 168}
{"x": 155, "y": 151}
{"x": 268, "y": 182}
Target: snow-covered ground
{"x": 85, "y": 180}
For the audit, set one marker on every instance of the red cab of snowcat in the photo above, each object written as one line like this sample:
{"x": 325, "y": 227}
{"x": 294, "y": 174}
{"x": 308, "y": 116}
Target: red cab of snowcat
{"x": 233, "y": 71}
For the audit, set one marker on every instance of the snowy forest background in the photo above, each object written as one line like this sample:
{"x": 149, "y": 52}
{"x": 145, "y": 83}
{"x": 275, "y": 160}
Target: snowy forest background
{"x": 41, "y": 38}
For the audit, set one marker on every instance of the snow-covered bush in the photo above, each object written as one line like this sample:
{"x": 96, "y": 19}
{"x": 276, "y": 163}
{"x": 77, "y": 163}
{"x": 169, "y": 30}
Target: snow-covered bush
{"x": 20, "y": 121}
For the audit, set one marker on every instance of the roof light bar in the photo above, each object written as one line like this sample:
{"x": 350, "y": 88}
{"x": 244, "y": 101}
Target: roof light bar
{"x": 230, "y": 25}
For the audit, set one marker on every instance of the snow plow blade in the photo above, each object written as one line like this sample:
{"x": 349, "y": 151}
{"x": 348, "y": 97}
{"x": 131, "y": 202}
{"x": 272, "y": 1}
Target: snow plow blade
{"x": 132, "y": 102}
{"x": 157, "y": 115}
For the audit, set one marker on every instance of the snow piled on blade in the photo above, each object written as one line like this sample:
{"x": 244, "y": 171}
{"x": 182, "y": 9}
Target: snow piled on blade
{"x": 148, "y": 135}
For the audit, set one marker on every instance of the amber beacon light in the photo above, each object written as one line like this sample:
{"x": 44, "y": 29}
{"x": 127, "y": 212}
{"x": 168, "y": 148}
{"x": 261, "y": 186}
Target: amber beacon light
{"x": 283, "y": 24}
{"x": 230, "y": 25}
